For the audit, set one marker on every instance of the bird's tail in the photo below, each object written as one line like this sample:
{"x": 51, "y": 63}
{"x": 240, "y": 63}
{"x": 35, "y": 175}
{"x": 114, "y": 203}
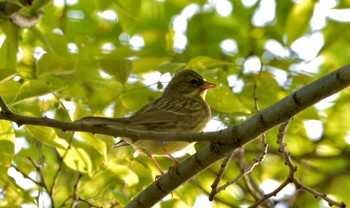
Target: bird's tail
{"x": 102, "y": 121}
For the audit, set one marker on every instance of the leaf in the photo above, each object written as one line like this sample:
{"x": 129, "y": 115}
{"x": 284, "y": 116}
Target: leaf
{"x": 7, "y": 146}
{"x": 204, "y": 62}
{"x": 169, "y": 67}
{"x": 136, "y": 99}
{"x": 13, "y": 191}
{"x": 123, "y": 172}
{"x": 51, "y": 63}
{"x": 9, "y": 89}
{"x": 128, "y": 12}
{"x": 147, "y": 63}
{"x": 47, "y": 136}
{"x": 76, "y": 158}
{"x": 96, "y": 143}
{"x": 6, "y": 75}
{"x": 34, "y": 88}
{"x": 8, "y": 50}
{"x": 222, "y": 99}
{"x": 298, "y": 19}
{"x": 118, "y": 68}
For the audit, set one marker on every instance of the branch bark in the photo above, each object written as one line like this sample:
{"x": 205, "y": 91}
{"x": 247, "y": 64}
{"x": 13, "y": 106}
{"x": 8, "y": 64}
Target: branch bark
{"x": 244, "y": 133}
{"x": 223, "y": 142}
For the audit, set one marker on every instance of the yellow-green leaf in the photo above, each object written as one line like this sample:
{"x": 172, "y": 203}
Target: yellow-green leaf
{"x": 8, "y": 50}
{"x": 123, "y": 172}
{"x": 223, "y": 100}
{"x": 6, "y": 75}
{"x": 118, "y": 68}
{"x": 299, "y": 19}
{"x": 7, "y": 146}
{"x": 203, "y": 62}
{"x": 77, "y": 159}
{"x": 47, "y": 136}
{"x": 95, "y": 142}
{"x": 34, "y": 88}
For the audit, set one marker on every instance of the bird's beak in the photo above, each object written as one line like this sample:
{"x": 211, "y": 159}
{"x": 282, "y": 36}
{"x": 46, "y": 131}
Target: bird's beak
{"x": 208, "y": 85}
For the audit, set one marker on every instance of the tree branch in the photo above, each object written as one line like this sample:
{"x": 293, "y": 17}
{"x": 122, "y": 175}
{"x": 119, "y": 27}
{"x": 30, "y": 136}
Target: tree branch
{"x": 244, "y": 133}
{"x": 225, "y": 140}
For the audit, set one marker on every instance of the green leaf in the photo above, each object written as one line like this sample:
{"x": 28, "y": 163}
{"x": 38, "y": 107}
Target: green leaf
{"x": 204, "y": 62}
{"x": 222, "y": 99}
{"x": 34, "y": 88}
{"x": 76, "y": 158}
{"x": 299, "y": 19}
{"x": 95, "y": 142}
{"x": 7, "y": 146}
{"x": 123, "y": 172}
{"x": 170, "y": 67}
{"x": 8, "y": 50}
{"x": 118, "y": 68}
{"x": 6, "y": 75}
{"x": 47, "y": 136}
{"x": 51, "y": 63}
{"x": 128, "y": 12}
{"x": 14, "y": 193}
{"x": 9, "y": 89}
{"x": 136, "y": 99}
{"x": 147, "y": 63}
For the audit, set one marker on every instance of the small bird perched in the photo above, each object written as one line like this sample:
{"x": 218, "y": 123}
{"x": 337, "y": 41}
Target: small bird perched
{"x": 181, "y": 108}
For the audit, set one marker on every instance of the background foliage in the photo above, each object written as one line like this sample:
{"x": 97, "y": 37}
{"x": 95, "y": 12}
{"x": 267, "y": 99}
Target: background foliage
{"x": 88, "y": 57}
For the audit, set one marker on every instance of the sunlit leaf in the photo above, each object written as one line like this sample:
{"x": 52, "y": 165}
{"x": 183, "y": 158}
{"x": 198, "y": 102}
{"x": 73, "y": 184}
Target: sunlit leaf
{"x": 9, "y": 89}
{"x": 124, "y": 173}
{"x": 148, "y": 63}
{"x": 76, "y": 158}
{"x": 14, "y": 193}
{"x": 34, "y": 88}
{"x": 170, "y": 67}
{"x": 203, "y": 62}
{"x": 8, "y": 50}
{"x": 299, "y": 19}
{"x": 7, "y": 146}
{"x": 128, "y": 11}
{"x": 95, "y": 142}
{"x": 134, "y": 100}
{"x": 6, "y": 75}
{"x": 120, "y": 69}
{"x": 223, "y": 100}
{"x": 51, "y": 63}
{"x": 47, "y": 136}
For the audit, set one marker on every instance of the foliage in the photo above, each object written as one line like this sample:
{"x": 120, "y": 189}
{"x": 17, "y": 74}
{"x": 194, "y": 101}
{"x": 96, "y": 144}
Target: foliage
{"x": 74, "y": 61}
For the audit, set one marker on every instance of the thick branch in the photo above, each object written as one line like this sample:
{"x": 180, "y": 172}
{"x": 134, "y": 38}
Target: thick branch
{"x": 225, "y": 140}
{"x": 7, "y": 114}
{"x": 244, "y": 133}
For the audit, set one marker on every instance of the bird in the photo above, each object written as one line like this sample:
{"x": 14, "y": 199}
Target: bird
{"x": 181, "y": 108}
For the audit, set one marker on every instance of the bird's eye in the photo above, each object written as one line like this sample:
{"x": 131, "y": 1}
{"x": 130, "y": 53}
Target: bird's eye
{"x": 194, "y": 82}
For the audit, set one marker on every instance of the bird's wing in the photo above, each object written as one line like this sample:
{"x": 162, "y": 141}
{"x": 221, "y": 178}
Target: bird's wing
{"x": 154, "y": 113}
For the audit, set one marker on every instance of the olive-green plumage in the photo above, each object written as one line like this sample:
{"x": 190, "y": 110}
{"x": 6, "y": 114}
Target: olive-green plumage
{"x": 181, "y": 108}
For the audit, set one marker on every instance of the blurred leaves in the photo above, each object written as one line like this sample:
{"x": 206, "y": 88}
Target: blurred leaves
{"x": 9, "y": 47}
{"x": 82, "y": 59}
{"x": 298, "y": 20}
{"x": 7, "y": 146}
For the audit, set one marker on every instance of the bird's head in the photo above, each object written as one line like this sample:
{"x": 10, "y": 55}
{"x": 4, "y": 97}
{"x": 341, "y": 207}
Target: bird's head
{"x": 189, "y": 84}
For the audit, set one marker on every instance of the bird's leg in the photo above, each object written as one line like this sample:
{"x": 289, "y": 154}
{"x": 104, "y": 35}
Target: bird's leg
{"x": 171, "y": 157}
{"x": 155, "y": 162}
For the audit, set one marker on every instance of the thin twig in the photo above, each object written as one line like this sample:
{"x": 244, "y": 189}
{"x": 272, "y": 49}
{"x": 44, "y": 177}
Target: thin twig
{"x": 26, "y": 176}
{"x": 291, "y": 176}
{"x": 245, "y": 169}
{"x": 219, "y": 175}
